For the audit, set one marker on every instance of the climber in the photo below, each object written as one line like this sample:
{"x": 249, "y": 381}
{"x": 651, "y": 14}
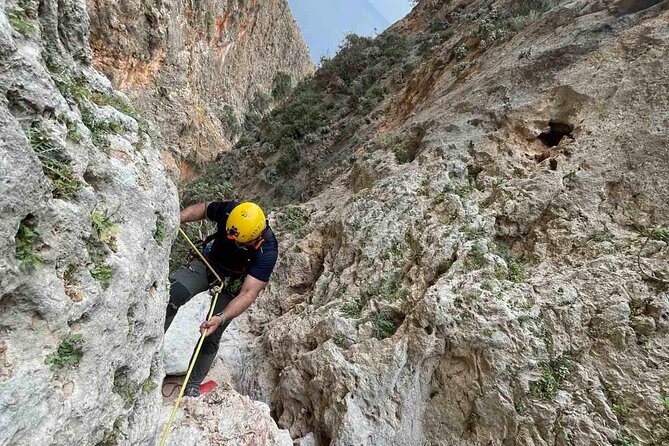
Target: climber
{"x": 243, "y": 251}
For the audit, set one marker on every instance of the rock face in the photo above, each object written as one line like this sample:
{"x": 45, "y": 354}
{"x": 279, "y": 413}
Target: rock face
{"x": 88, "y": 216}
{"x": 224, "y": 417}
{"x": 197, "y": 69}
{"x": 482, "y": 257}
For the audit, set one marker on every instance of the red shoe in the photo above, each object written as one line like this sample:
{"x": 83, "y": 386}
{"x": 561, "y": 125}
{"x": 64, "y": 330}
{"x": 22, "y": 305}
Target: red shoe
{"x": 207, "y": 387}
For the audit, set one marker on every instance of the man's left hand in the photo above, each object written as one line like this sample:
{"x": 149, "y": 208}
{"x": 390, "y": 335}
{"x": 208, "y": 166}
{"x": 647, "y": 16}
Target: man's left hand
{"x": 210, "y": 326}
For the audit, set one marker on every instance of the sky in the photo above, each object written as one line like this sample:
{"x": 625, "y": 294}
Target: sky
{"x": 324, "y": 23}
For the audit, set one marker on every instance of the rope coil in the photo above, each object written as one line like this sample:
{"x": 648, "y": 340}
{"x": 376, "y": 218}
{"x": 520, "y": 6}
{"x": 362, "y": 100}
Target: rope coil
{"x": 218, "y": 290}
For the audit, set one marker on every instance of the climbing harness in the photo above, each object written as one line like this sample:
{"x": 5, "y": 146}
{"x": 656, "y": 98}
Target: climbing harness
{"x": 218, "y": 290}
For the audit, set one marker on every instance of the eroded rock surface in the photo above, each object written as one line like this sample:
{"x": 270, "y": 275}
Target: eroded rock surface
{"x": 88, "y": 216}
{"x": 224, "y": 417}
{"x": 482, "y": 258}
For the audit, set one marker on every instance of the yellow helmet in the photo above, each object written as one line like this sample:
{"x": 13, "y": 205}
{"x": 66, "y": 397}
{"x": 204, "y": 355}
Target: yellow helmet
{"x": 245, "y": 223}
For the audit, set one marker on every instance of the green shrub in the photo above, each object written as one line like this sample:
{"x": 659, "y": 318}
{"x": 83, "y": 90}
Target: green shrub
{"x": 475, "y": 258}
{"x": 460, "y": 51}
{"x": 230, "y": 121}
{"x": 211, "y": 186}
{"x": 25, "y": 240}
{"x": 516, "y": 265}
{"x": 69, "y": 353}
{"x": 65, "y": 183}
{"x": 261, "y": 102}
{"x": 660, "y": 233}
{"x": 626, "y": 440}
{"x": 294, "y": 220}
{"x": 382, "y": 326}
{"x": 353, "y": 309}
{"x": 282, "y": 83}
{"x": 553, "y": 373}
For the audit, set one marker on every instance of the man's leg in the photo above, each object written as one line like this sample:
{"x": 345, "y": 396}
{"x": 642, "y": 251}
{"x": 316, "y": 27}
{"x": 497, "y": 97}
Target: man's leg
{"x": 185, "y": 283}
{"x": 210, "y": 346}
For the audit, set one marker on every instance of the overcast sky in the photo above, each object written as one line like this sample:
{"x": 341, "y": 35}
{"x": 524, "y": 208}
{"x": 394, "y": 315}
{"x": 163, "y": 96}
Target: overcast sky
{"x": 325, "y": 22}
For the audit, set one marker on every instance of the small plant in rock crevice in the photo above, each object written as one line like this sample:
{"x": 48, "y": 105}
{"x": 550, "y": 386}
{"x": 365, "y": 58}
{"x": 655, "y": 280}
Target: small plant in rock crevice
{"x": 353, "y": 309}
{"x": 460, "y": 51}
{"x": 293, "y": 219}
{"x": 70, "y": 86}
{"x": 72, "y": 128}
{"x": 99, "y": 128}
{"x": 382, "y": 326}
{"x": 103, "y": 237}
{"x": 21, "y": 21}
{"x": 65, "y": 183}
{"x": 115, "y": 101}
{"x": 659, "y": 233}
{"x": 25, "y": 246}
{"x": 103, "y": 273}
{"x": 553, "y": 373}
{"x": 339, "y": 339}
{"x": 69, "y": 353}
{"x": 626, "y": 440}
{"x": 516, "y": 265}
{"x": 475, "y": 258}
{"x": 160, "y": 232}
{"x": 125, "y": 387}
{"x": 620, "y": 408}
{"x": 665, "y": 402}
{"x": 104, "y": 229}
{"x": 111, "y": 437}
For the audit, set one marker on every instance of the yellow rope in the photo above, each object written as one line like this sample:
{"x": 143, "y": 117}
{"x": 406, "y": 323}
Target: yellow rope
{"x": 181, "y": 231}
{"x": 199, "y": 344}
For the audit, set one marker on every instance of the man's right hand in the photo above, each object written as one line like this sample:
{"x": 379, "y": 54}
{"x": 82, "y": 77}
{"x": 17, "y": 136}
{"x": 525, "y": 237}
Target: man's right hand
{"x": 210, "y": 326}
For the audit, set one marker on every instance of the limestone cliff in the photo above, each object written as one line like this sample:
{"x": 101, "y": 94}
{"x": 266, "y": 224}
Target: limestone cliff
{"x": 476, "y": 246}
{"x": 198, "y": 69}
{"x": 88, "y": 217}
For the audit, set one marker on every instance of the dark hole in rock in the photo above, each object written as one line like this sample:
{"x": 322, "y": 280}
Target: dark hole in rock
{"x": 558, "y": 130}
{"x": 552, "y": 164}
{"x": 429, "y": 330}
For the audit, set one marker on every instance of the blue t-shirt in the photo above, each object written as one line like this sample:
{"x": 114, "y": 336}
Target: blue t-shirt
{"x": 235, "y": 261}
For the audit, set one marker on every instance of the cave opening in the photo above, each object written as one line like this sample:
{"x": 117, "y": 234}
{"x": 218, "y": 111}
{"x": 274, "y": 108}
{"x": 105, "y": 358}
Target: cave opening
{"x": 558, "y": 130}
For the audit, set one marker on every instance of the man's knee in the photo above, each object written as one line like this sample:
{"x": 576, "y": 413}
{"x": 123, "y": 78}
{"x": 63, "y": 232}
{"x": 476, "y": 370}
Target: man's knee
{"x": 179, "y": 295}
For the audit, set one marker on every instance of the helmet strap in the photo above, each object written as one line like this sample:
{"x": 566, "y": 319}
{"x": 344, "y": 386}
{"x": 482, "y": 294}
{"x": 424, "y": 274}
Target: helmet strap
{"x": 259, "y": 243}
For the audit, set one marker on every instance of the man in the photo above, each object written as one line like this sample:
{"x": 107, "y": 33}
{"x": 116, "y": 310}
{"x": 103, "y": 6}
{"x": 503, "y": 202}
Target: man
{"x": 243, "y": 252}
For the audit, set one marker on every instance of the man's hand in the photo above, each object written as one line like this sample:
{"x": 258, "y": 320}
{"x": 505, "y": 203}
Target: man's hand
{"x": 210, "y": 326}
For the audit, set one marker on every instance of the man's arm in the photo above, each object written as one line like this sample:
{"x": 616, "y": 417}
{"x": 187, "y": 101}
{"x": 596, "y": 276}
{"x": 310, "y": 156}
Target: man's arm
{"x": 194, "y": 212}
{"x": 250, "y": 290}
